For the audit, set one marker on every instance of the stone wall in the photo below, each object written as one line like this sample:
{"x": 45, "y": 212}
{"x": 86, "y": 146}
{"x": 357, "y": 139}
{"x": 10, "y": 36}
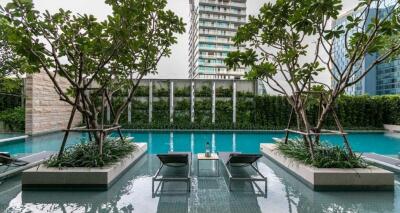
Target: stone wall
{"x": 44, "y": 111}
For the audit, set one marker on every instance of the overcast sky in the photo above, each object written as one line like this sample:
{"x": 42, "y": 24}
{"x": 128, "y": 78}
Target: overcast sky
{"x": 177, "y": 65}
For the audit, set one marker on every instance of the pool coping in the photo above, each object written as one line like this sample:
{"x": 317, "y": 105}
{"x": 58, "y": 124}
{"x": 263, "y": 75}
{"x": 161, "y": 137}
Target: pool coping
{"x": 7, "y": 140}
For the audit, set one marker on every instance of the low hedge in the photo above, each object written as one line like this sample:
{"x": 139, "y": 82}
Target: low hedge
{"x": 268, "y": 112}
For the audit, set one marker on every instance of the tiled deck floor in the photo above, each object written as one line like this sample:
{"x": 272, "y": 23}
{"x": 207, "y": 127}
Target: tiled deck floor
{"x": 132, "y": 193}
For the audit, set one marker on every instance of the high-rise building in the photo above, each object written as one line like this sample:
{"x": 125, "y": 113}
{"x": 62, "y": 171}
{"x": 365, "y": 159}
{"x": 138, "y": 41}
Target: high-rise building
{"x": 213, "y": 25}
{"x": 383, "y": 78}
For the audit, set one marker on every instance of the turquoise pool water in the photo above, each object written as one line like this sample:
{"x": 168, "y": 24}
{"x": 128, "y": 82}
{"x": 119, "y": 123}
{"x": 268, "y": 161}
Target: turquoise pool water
{"x": 246, "y": 142}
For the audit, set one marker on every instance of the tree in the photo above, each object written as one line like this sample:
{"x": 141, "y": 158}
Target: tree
{"x": 96, "y": 57}
{"x": 279, "y": 39}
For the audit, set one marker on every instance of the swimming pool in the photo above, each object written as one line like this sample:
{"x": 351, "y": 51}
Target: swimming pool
{"x": 132, "y": 192}
{"x": 183, "y": 141}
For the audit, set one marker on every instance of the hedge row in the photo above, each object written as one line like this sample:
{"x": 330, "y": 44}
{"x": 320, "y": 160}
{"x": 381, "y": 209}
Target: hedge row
{"x": 264, "y": 112}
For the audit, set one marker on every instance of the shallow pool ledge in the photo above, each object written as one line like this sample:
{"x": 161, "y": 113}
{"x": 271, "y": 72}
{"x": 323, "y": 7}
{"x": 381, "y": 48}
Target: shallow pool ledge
{"x": 320, "y": 179}
{"x": 66, "y": 179}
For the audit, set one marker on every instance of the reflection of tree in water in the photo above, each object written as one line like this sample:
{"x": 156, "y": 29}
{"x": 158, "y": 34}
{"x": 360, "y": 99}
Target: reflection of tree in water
{"x": 301, "y": 199}
{"x": 78, "y": 201}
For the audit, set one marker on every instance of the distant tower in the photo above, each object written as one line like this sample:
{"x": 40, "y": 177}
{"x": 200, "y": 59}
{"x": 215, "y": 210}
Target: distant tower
{"x": 213, "y": 25}
{"x": 385, "y": 77}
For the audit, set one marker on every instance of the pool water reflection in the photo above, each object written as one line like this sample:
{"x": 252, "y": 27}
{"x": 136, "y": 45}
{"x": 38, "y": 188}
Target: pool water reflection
{"x": 133, "y": 193}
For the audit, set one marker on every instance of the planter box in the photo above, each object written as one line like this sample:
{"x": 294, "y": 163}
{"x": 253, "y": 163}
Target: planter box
{"x": 45, "y": 178}
{"x": 320, "y": 179}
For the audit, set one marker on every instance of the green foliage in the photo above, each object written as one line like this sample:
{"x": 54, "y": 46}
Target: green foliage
{"x": 142, "y": 91}
{"x": 205, "y": 91}
{"x": 326, "y": 155}
{"x": 87, "y": 154}
{"x": 262, "y": 112}
{"x": 267, "y": 112}
{"x": 245, "y": 94}
{"x": 278, "y": 40}
{"x": 14, "y": 118}
{"x": 183, "y": 105}
{"x": 162, "y": 92}
{"x": 223, "y": 92}
{"x": 111, "y": 54}
{"x": 162, "y": 104}
{"x": 182, "y": 92}
{"x": 10, "y": 93}
{"x": 11, "y": 85}
{"x": 140, "y": 105}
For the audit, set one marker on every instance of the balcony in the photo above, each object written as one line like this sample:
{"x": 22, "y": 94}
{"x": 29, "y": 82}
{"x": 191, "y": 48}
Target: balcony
{"x": 218, "y": 18}
{"x": 230, "y": 3}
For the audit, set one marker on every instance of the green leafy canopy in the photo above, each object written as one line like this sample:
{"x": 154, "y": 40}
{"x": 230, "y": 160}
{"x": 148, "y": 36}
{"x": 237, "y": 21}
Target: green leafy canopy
{"x": 109, "y": 54}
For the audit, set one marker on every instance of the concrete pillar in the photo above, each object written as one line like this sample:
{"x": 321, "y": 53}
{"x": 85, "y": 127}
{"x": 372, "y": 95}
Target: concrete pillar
{"x": 213, "y": 102}
{"x": 192, "y": 101}
{"x": 150, "y": 101}
{"x": 234, "y": 103}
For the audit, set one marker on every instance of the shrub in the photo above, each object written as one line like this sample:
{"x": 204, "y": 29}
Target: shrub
{"x": 14, "y": 118}
{"x": 87, "y": 154}
{"x": 326, "y": 155}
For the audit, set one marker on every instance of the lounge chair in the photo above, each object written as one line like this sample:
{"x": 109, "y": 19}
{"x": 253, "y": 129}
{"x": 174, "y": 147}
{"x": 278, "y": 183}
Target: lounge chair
{"x": 231, "y": 160}
{"x": 7, "y": 160}
{"x": 173, "y": 161}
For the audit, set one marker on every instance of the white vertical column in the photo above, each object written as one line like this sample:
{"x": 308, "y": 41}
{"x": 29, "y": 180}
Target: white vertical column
{"x": 213, "y": 102}
{"x": 192, "y": 101}
{"x": 150, "y": 101}
{"x": 171, "y": 101}
{"x": 130, "y": 112}
{"x": 234, "y": 103}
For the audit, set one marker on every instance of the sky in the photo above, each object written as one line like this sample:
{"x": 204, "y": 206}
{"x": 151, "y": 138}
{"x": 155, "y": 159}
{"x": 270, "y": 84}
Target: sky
{"x": 177, "y": 65}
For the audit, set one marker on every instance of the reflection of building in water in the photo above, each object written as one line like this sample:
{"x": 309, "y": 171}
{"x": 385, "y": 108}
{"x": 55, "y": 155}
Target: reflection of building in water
{"x": 234, "y": 142}
{"x": 171, "y": 141}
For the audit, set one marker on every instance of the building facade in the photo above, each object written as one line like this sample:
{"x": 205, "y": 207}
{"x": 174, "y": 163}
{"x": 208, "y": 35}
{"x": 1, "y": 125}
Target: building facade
{"x": 213, "y": 25}
{"x": 382, "y": 79}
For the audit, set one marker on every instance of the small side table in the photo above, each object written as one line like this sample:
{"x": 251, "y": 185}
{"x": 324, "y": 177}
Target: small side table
{"x": 202, "y": 157}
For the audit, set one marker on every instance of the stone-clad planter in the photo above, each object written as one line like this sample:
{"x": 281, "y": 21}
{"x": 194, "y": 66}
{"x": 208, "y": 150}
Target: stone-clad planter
{"x": 321, "y": 179}
{"x": 45, "y": 178}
